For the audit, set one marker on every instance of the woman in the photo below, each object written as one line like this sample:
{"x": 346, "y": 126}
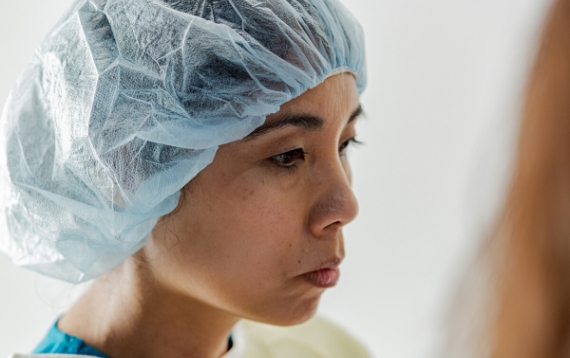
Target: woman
{"x": 525, "y": 307}
{"x": 192, "y": 157}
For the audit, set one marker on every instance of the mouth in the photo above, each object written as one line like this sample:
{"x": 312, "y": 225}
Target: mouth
{"x": 327, "y": 275}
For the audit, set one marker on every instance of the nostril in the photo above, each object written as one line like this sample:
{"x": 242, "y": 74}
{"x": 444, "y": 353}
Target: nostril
{"x": 337, "y": 225}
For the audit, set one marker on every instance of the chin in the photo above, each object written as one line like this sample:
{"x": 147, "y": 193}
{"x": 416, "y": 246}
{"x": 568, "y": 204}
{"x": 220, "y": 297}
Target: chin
{"x": 290, "y": 315}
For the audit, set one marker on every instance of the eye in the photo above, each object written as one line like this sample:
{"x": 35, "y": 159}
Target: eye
{"x": 288, "y": 159}
{"x": 344, "y": 146}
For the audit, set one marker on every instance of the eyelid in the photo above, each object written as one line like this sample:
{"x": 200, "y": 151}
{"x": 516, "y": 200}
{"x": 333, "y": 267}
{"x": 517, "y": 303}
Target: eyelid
{"x": 299, "y": 152}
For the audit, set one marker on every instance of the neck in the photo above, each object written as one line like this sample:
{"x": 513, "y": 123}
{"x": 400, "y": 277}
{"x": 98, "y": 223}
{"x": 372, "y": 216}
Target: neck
{"x": 127, "y": 313}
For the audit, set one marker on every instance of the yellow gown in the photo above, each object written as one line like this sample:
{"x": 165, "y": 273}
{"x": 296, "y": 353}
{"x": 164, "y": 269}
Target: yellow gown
{"x": 316, "y": 338}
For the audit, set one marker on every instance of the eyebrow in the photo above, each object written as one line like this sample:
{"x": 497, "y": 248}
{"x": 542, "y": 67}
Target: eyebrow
{"x": 307, "y": 122}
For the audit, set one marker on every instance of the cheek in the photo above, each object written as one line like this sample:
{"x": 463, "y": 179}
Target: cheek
{"x": 246, "y": 230}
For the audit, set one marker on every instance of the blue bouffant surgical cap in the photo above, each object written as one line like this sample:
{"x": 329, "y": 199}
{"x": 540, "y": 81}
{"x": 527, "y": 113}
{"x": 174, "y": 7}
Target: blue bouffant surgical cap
{"x": 125, "y": 101}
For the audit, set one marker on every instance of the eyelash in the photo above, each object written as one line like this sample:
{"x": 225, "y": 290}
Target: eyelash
{"x": 347, "y": 143}
{"x": 300, "y": 155}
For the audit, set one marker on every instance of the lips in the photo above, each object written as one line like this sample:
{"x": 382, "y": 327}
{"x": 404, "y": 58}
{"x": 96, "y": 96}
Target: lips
{"x": 326, "y": 275}
{"x": 323, "y": 278}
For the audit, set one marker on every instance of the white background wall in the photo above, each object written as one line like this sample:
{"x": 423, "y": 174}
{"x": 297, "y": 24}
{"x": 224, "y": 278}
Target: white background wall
{"x": 445, "y": 78}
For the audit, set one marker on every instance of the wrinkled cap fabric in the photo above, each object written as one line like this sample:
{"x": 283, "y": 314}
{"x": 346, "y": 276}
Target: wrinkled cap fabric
{"x": 125, "y": 101}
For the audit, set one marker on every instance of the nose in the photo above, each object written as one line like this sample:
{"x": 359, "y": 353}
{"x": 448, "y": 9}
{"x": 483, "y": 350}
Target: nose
{"x": 335, "y": 204}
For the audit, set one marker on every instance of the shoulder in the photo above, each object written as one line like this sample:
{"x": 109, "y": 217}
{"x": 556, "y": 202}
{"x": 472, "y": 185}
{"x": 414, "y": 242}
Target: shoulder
{"x": 314, "y": 338}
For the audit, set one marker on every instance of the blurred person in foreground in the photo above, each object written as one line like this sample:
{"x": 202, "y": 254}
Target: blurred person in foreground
{"x": 516, "y": 298}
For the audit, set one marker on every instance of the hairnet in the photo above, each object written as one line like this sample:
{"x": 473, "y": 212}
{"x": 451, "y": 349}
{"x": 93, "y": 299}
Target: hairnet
{"x": 125, "y": 101}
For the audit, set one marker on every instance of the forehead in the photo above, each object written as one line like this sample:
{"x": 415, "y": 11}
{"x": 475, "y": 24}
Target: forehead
{"x": 335, "y": 96}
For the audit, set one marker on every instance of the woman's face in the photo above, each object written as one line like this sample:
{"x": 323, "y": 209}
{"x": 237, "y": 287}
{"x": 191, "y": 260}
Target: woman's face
{"x": 258, "y": 233}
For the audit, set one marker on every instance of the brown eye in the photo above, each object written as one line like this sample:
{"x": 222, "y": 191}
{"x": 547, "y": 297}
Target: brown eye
{"x": 342, "y": 148}
{"x": 289, "y": 158}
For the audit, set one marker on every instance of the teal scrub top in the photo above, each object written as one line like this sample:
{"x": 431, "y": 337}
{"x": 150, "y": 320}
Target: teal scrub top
{"x": 58, "y": 342}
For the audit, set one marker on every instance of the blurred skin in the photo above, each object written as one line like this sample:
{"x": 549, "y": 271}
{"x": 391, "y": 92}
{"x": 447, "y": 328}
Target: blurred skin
{"x": 533, "y": 303}
{"x": 526, "y": 313}
{"x": 248, "y": 228}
